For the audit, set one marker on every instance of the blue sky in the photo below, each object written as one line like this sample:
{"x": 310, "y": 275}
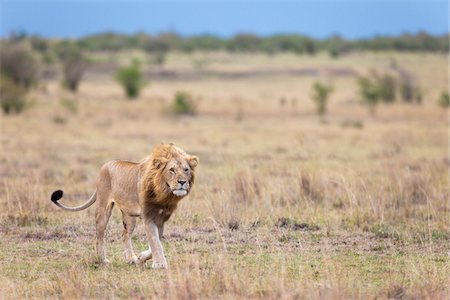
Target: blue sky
{"x": 351, "y": 19}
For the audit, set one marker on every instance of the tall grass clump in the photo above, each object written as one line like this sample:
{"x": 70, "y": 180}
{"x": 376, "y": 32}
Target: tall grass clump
{"x": 19, "y": 71}
{"x": 131, "y": 79}
{"x": 183, "y": 104}
{"x": 320, "y": 95}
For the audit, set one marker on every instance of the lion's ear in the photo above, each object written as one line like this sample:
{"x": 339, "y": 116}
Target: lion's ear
{"x": 159, "y": 162}
{"x": 193, "y": 161}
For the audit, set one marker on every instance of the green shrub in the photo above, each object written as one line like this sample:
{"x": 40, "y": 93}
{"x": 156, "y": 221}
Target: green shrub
{"x": 19, "y": 63}
{"x": 444, "y": 99}
{"x": 12, "y": 96}
{"x": 131, "y": 79}
{"x": 320, "y": 95}
{"x": 184, "y": 104}
{"x": 369, "y": 92}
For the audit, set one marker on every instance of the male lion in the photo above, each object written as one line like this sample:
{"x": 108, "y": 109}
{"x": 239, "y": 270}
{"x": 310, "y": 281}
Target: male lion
{"x": 150, "y": 189}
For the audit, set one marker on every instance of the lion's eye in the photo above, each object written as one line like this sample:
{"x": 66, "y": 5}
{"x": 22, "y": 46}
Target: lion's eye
{"x": 172, "y": 170}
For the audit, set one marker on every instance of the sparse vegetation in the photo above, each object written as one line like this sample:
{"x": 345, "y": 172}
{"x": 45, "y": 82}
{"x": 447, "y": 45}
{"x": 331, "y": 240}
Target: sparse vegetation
{"x": 282, "y": 207}
{"x": 183, "y": 104}
{"x": 70, "y": 105}
{"x": 320, "y": 95}
{"x": 131, "y": 79}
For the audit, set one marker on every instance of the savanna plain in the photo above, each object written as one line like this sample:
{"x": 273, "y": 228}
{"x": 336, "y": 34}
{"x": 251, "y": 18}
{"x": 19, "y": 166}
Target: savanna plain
{"x": 286, "y": 204}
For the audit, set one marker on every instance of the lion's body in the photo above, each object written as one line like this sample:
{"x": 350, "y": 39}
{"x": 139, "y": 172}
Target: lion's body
{"x": 119, "y": 179}
{"x": 150, "y": 189}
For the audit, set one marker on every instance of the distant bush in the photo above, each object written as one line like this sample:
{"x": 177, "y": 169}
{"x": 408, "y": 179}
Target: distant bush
{"x": 369, "y": 92}
{"x": 244, "y": 43}
{"x": 131, "y": 79}
{"x": 406, "y": 88}
{"x": 295, "y": 43}
{"x": 183, "y": 104}
{"x": 409, "y": 90}
{"x": 444, "y": 99}
{"x": 320, "y": 95}
{"x": 19, "y": 71}
{"x": 336, "y": 46}
{"x": 387, "y": 86}
{"x": 158, "y": 47}
{"x": 74, "y": 65}
{"x": 39, "y": 44}
{"x": 19, "y": 64}
{"x": 159, "y": 58}
{"x": 12, "y": 96}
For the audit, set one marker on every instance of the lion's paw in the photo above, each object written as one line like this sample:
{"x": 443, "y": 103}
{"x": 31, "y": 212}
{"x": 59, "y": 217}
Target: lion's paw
{"x": 143, "y": 257}
{"x": 159, "y": 265}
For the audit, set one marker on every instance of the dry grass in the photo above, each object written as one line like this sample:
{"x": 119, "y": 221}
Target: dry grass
{"x": 285, "y": 205}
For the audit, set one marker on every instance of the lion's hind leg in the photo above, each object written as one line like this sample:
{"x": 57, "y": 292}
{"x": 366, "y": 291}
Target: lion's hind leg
{"x": 102, "y": 215}
{"x": 129, "y": 223}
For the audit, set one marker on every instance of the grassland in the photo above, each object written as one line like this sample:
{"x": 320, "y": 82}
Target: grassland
{"x": 286, "y": 204}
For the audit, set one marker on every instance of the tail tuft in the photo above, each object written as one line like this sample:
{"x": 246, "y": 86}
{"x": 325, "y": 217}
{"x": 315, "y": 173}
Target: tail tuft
{"x": 56, "y": 195}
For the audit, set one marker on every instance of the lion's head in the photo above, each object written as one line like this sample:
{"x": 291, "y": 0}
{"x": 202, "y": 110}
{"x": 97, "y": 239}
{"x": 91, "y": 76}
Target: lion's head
{"x": 169, "y": 172}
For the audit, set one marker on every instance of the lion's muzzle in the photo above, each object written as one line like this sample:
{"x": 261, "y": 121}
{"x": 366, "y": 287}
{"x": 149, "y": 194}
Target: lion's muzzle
{"x": 181, "y": 188}
{"x": 180, "y": 192}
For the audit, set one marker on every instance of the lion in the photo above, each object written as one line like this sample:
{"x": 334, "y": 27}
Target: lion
{"x": 150, "y": 189}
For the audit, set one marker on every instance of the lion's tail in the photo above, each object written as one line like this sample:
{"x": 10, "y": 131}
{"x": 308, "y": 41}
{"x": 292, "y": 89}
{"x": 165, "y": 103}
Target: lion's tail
{"x": 58, "y": 194}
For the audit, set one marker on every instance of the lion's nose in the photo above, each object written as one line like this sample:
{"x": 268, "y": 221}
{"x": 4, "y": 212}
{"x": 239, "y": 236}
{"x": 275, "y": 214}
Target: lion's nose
{"x": 182, "y": 182}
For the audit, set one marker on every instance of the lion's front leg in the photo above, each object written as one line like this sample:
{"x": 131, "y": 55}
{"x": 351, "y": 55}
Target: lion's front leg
{"x": 152, "y": 232}
{"x": 147, "y": 254}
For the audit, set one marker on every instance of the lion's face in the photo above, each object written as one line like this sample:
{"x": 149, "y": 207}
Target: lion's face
{"x": 176, "y": 169}
{"x": 178, "y": 176}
